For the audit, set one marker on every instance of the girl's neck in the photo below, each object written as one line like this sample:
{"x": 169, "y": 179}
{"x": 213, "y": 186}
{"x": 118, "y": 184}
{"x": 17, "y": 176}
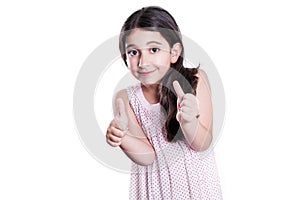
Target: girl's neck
{"x": 151, "y": 93}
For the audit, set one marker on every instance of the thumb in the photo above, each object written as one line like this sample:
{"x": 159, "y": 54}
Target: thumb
{"x": 178, "y": 90}
{"x": 121, "y": 115}
{"x": 120, "y": 108}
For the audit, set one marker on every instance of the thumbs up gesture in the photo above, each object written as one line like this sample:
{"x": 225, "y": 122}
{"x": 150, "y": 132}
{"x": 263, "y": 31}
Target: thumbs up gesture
{"x": 187, "y": 105}
{"x": 118, "y": 126}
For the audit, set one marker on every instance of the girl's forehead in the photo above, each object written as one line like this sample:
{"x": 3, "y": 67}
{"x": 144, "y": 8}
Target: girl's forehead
{"x": 139, "y": 37}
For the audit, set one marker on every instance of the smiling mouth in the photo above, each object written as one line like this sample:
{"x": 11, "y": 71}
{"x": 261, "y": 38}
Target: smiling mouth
{"x": 146, "y": 73}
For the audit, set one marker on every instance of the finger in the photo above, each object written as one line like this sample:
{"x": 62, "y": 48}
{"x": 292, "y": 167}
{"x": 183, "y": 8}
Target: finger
{"x": 113, "y": 144}
{"x": 116, "y": 132}
{"x": 117, "y": 123}
{"x": 189, "y": 96}
{"x": 121, "y": 108}
{"x": 189, "y": 100}
{"x": 113, "y": 138}
{"x": 113, "y": 123}
{"x": 178, "y": 117}
{"x": 178, "y": 90}
{"x": 186, "y": 117}
{"x": 189, "y": 104}
{"x": 188, "y": 110}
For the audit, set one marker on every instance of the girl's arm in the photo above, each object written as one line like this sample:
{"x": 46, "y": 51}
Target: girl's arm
{"x": 131, "y": 138}
{"x": 195, "y": 114}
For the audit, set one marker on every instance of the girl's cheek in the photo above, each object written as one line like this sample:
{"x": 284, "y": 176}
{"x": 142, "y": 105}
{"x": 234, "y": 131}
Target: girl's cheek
{"x": 133, "y": 62}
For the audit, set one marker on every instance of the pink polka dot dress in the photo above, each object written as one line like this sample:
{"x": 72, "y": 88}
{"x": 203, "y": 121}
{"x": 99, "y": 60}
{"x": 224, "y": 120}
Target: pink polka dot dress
{"x": 178, "y": 172}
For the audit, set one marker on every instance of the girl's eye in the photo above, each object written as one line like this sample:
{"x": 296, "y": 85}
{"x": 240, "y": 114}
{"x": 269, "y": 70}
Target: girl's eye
{"x": 154, "y": 50}
{"x": 133, "y": 52}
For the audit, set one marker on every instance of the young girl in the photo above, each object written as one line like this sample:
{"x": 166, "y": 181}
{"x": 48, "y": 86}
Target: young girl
{"x": 164, "y": 123}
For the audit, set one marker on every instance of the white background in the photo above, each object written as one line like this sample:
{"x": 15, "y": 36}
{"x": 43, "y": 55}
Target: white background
{"x": 254, "y": 45}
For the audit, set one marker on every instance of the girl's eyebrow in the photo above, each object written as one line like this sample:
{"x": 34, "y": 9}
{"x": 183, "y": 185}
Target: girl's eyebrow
{"x": 130, "y": 45}
{"x": 150, "y": 42}
{"x": 153, "y": 42}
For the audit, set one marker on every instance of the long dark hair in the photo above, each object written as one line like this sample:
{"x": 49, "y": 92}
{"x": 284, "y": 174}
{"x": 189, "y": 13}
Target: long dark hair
{"x": 157, "y": 19}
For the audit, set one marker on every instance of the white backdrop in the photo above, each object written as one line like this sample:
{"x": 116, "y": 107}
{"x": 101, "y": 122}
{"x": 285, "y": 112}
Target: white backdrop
{"x": 254, "y": 45}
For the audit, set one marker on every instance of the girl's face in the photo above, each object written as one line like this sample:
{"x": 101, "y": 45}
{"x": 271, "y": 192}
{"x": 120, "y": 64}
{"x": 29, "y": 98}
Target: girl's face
{"x": 148, "y": 55}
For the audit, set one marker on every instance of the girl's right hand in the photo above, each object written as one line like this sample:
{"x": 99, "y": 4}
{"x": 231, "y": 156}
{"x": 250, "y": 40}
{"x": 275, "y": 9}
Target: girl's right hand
{"x": 118, "y": 126}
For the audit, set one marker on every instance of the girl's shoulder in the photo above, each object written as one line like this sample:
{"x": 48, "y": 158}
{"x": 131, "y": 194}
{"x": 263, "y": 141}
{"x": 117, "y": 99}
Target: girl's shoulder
{"x": 202, "y": 78}
{"x": 201, "y": 74}
{"x": 126, "y": 93}
{"x": 123, "y": 93}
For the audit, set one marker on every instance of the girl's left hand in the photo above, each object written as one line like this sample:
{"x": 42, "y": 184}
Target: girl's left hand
{"x": 187, "y": 106}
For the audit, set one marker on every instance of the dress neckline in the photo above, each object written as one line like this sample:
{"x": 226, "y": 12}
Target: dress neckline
{"x": 145, "y": 101}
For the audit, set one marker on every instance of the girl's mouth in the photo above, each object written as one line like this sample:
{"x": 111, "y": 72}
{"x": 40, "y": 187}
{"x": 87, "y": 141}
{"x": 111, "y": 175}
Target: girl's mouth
{"x": 142, "y": 73}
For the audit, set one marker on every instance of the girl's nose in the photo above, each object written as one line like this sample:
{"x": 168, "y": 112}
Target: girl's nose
{"x": 143, "y": 60}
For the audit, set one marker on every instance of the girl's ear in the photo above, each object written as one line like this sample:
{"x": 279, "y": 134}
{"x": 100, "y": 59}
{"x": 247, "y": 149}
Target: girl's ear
{"x": 175, "y": 52}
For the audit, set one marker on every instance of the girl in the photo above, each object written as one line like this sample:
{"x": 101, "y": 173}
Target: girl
{"x": 163, "y": 124}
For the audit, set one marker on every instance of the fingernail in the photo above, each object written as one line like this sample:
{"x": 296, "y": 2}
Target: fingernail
{"x": 179, "y": 107}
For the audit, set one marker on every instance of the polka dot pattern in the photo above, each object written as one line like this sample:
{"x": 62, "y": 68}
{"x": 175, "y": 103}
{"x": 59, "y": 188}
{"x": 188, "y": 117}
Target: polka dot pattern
{"x": 178, "y": 172}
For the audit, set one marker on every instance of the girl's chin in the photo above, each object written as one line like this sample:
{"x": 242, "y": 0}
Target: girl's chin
{"x": 149, "y": 83}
